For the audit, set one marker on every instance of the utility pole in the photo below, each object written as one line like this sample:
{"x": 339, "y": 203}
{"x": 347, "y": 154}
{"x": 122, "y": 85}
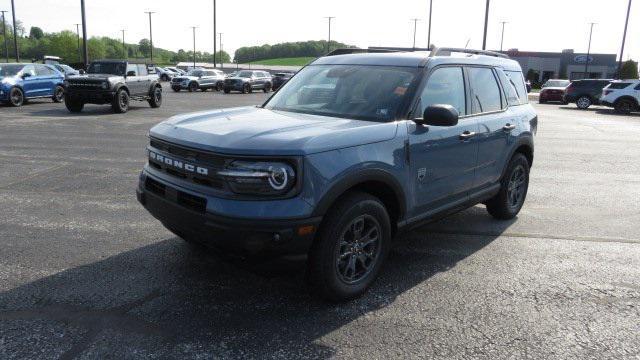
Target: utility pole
{"x": 329, "y": 41}
{"x": 124, "y": 48}
{"x": 85, "y": 51}
{"x": 429, "y": 32}
{"x": 150, "y": 32}
{"x": 215, "y": 47}
{"x": 4, "y": 35}
{"x": 221, "y": 61}
{"x": 502, "y": 37}
{"x": 415, "y": 27}
{"x": 586, "y": 62}
{"x": 486, "y": 24}
{"x": 15, "y": 31}
{"x": 194, "y": 45}
{"x": 78, "y": 37}
{"x": 624, "y": 38}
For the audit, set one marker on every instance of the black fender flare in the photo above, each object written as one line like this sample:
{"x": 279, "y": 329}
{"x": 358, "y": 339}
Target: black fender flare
{"x": 154, "y": 84}
{"x": 523, "y": 140}
{"x": 119, "y": 86}
{"x": 360, "y": 177}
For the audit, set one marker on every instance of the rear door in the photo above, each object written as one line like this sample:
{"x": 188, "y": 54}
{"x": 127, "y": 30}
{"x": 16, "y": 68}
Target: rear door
{"x": 443, "y": 159}
{"x": 144, "y": 79}
{"x": 47, "y": 80}
{"x": 30, "y": 82}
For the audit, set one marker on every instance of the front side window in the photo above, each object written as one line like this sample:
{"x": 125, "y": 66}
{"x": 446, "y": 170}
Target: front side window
{"x": 363, "y": 92}
{"x": 444, "y": 86}
{"x": 245, "y": 74}
{"x": 29, "y": 69}
{"x": 196, "y": 73}
{"x": 43, "y": 70}
{"x": 485, "y": 92}
{"x": 10, "y": 69}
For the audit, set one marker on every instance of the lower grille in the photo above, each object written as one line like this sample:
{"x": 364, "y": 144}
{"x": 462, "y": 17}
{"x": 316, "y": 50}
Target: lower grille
{"x": 154, "y": 186}
{"x": 192, "y": 202}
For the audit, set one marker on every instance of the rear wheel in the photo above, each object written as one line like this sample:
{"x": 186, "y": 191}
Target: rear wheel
{"x": 219, "y": 86}
{"x": 623, "y": 106}
{"x": 120, "y": 102}
{"x": 350, "y": 248}
{"x": 73, "y": 106}
{"x": 513, "y": 190}
{"x": 583, "y": 102}
{"x": 227, "y": 90}
{"x": 16, "y": 97}
{"x": 156, "y": 98}
{"x": 58, "y": 94}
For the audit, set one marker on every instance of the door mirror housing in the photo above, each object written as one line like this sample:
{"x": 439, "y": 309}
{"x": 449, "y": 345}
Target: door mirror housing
{"x": 82, "y": 72}
{"x": 439, "y": 115}
{"x": 26, "y": 75}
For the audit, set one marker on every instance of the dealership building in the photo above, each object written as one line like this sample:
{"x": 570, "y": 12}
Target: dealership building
{"x": 566, "y": 64}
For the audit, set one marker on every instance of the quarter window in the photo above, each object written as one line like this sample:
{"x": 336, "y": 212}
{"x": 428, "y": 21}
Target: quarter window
{"x": 485, "y": 92}
{"x": 445, "y": 86}
{"x": 509, "y": 89}
{"x": 132, "y": 68}
{"x": 518, "y": 82}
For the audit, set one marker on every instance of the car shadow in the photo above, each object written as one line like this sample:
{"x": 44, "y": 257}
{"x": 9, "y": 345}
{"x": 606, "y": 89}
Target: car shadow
{"x": 62, "y": 111}
{"x": 173, "y": 295}
{"x": 600, "y": 110}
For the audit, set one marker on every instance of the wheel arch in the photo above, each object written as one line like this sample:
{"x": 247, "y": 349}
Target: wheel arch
{"x": 628, "y": 97}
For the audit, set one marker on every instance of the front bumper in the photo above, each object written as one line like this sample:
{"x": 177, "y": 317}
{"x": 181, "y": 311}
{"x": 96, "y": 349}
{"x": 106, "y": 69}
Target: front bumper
{"x": 91, "y": 96}
{"x": 179, "y": 211}
{"x": 551, "y": 97}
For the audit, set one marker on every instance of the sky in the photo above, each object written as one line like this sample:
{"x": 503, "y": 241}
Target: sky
{"x": 533, "y": 25}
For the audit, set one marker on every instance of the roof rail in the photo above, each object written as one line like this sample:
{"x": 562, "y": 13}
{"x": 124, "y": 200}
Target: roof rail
{"x": 346, "y": 51}
{"x": 436, "y": 51}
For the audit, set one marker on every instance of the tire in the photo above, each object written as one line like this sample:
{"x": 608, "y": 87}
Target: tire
{"x": 623, "y": 106}
{"x": 155, "y": 101}
{"x": 73, "y": 106}
{"x": 16, "y": 97}
{"x": 513, "y": 190}
{"x": 120, "y": 102}
{"x": 164, "y": 77}
{"x": 584, "y": 102}
{"x": 227, "y": 91}
{"x": 193, "y": 86}
{"x": 340, "y": 278}
{"x": 218, "y": 86}
{"x": 58, "y": 94}
{"x": 247, "y": 89}
{"x": 175, "y": 88}
{"x": 267, "y": 87}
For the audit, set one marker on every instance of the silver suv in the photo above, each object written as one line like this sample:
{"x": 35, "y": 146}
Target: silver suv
{"x": 202, "y": 79}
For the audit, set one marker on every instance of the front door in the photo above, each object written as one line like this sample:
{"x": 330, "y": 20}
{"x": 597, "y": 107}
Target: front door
{"x": 443, "y": 159}
{"x": 30, "y": 84}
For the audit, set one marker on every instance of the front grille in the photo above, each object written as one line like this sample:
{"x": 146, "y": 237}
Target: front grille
{"x": 177, "y": 80}
{"x": 231, "y": 81}
{"x": 85, "y": 84}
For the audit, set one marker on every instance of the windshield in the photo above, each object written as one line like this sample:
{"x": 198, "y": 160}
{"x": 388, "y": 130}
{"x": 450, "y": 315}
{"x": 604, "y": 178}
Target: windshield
{"x": 351, "y": 91}
{"x": 244, "y": 74}
{"x": 10, "y": 69}
{"x": 195, "y": 73}
{"x": 107, "y": 68}
{"x": 556, "y": 83}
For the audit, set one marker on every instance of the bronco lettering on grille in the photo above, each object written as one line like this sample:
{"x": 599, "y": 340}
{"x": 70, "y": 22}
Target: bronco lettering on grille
{"x": 178, "y": 164}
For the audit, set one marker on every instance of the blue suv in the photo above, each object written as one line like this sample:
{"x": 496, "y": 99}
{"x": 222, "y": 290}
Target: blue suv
{"x": 353, "y": 150}
{"x": 20, "y": 82}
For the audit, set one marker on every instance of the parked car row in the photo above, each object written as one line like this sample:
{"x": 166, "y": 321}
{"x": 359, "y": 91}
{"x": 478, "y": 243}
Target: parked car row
{"x": 622, "y": 95}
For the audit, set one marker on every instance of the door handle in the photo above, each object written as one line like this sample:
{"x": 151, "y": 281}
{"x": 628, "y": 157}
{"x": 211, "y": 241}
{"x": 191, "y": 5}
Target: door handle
{"x": 467, "y": 135}
{"x": 508, "y": 127}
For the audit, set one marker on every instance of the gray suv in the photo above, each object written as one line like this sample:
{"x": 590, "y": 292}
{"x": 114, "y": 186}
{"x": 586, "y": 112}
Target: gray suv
{"x": 202, "y": 79}
{"x": 353, "y": 150}
{"x": 246, "y": 81}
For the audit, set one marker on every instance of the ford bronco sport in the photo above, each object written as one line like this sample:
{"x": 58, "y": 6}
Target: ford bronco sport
{"x": 354, "y": 149}
{"x": 114, "y": 82}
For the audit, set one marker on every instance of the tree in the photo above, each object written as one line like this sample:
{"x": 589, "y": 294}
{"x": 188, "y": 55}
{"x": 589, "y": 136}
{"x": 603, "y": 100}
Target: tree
{"x": 36, "y": 33}
{"x": 629, "y": 70}
{"x": 223, "y": 56}
{"x": 145, "y": 47}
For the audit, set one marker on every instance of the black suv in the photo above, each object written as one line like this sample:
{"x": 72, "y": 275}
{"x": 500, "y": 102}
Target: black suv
{"x": 280, "y": 79}
{"x": 114, "y": 82}
{"x": 246, "y": 81}
{"x": 585, "y": 93}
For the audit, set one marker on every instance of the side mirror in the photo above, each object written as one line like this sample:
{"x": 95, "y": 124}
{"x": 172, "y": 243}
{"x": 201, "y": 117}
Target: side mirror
{"x": 439, "y": 115}
{"x": 26, "y": 75}
{"x": 82, "y": 72}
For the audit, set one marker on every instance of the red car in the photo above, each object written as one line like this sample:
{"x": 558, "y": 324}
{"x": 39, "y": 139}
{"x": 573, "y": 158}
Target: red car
{"x": 553, "y": 90}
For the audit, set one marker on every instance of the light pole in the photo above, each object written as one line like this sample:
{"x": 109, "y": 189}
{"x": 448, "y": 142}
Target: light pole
{"x": 486, "y": 24}
{"x": 415, "y": 27}
{"x": 4, "y": 35}
{"x": 194, "y": 45}
{"x": 85, "y": 51}
{"x": 15, "y": 31}
{"x": 215, "y": 47}
{"x": 124, "y": 49}
{"x": 624, "y": 37}
{"x": 586, "y": 62}
{"x": 502, "y": 37}
{"x": 329, "y": 41}
{"x": 221, "y": 61}
{"x": 429, "y": 31}
{"x": 150, "y": 32}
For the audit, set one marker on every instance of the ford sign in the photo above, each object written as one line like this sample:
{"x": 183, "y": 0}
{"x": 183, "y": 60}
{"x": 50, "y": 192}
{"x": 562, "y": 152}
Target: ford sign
{"x": 582, "y": 59}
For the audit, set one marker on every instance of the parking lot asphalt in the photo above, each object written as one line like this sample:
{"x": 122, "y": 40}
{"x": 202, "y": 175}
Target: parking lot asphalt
{"x": 86, "y": 273}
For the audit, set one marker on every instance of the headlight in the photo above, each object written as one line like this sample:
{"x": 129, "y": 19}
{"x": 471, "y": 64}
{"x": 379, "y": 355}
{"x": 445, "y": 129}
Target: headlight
{"x": 259, "y": 178}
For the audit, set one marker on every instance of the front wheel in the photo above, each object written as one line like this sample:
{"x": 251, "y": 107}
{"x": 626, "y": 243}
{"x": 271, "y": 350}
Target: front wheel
{"x": 350, "y": 248}
{"x": 219, "y": 86}
{"x": 267, "y": 88}
{"x": 623, "y": 106}
{"x": 156, "y": 98}
{"x": 227, "y": 90}
{"x": 58, "y": 94}
{"x": 583, "y": 102}
{"x": 73, "y": 106}
{"x": 16, "y": 97}
{"x": 513, "y": 190}
{"x": 175, "y": 88}
{"x": 246, "y": 89}
{"x": 193, "y": 87}
{"x": 120, "y": 102}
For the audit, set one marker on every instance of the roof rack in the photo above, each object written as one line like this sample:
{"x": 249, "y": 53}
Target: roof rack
{"x": 436, "y": 51}
{"x": 346, "y": 51}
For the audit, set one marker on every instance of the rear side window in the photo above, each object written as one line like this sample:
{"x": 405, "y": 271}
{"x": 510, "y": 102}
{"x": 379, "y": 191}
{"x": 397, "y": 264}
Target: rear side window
{"x": 637, "y": 87}
{"x": 518, "y": 83}
{"x": 509, "y": 88}
{"x": 132, "y": 68}
{"x": 142, "y": 70}
{"x": 619, "y": 85}
{"x": 485, "y": 92}
{"x": 42, "y": 70}
{"x": 445, "y": 86}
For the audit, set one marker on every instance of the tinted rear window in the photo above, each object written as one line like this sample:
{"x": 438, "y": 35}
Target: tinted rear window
{"x": 619, "y": 85}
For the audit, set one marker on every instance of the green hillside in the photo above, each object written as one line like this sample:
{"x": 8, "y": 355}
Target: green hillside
{"x": 295, "y": 61}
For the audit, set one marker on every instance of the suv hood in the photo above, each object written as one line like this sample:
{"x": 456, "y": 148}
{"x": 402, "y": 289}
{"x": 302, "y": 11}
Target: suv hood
{"x": 258, "y": 131}
{"x": 94, "y": 77}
